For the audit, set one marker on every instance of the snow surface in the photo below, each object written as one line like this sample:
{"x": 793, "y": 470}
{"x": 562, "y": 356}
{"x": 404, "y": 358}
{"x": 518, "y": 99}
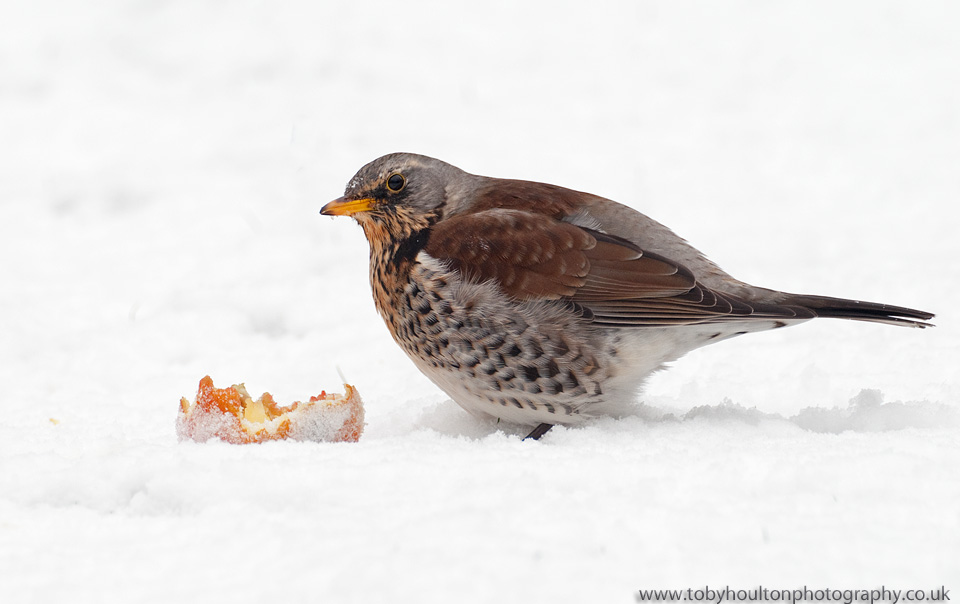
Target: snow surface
{"x": 161, "y": 172}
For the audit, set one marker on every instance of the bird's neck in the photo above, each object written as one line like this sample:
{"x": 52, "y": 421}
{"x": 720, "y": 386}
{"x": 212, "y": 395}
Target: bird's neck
{"x": 391, "y": 261}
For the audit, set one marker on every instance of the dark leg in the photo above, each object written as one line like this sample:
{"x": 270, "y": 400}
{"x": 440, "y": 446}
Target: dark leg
{"x": 538, "y": 432}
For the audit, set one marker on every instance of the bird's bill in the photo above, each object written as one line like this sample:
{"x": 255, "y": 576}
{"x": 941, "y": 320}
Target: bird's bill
{"x": 347, "y": 207}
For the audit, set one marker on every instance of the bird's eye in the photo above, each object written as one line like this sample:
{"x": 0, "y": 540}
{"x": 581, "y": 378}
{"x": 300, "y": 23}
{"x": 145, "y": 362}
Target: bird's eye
{"x": 396, "y": 182}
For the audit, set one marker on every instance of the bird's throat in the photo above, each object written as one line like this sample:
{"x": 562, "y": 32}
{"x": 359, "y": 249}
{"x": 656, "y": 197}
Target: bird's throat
{"x": 391, "y": 261}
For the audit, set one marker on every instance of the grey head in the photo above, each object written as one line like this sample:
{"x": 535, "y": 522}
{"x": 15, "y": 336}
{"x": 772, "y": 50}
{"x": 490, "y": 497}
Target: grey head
{"x": 399, "y": 183}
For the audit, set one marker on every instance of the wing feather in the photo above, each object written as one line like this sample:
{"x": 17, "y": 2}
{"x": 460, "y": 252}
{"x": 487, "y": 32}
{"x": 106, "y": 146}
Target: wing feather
{"x": 534, "y": 256}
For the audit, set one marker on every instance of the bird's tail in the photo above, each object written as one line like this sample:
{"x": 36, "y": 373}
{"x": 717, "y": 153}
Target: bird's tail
{"x": 839, "y": 308}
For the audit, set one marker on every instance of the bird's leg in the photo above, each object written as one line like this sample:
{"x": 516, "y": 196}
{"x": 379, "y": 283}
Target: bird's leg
{"x": 538, "y": 432}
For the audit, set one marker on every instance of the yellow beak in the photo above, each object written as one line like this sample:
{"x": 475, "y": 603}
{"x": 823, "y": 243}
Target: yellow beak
{"x": 347, "y": 207}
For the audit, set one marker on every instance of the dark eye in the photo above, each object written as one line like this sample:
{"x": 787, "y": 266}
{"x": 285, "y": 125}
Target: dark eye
{"x": 396, "y": 182}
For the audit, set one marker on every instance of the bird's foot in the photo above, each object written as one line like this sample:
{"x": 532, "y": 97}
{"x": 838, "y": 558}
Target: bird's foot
{"x": 538, "y": 432}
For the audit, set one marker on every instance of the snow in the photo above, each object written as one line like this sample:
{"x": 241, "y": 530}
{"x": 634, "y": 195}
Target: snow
{"x": 161, "y": 174}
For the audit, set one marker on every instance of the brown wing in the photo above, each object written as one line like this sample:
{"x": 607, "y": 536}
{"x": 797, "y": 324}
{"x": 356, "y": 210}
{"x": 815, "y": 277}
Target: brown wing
{"x": 527, "y": 196}
{"x": 531, "y": 256}
{"x": 536, "y": 257}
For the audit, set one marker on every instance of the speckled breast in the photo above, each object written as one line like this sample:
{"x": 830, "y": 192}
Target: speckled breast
{"x": 491, "y": 354}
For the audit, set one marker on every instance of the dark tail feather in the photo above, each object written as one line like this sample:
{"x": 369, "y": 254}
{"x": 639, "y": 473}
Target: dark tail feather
{"x": 839, "y": 308}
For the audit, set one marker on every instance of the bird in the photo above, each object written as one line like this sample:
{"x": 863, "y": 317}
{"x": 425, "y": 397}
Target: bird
{"x": 540, "y": 305}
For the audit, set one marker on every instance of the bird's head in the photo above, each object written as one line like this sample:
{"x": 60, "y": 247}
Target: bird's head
{"x": 397, "y": 196}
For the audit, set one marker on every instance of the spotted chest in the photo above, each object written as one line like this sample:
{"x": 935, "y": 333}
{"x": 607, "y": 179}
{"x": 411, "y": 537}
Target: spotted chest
{"x": 490, "y": 354}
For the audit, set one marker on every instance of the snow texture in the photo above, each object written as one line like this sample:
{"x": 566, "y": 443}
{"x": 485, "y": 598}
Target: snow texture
{"x": 161, "y": 173}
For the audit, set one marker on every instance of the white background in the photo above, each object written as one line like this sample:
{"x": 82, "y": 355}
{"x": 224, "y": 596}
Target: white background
{"x": 162, "y": 165}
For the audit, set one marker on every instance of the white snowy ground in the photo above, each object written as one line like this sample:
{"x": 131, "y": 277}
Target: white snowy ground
{"x": 161, "y": 169}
